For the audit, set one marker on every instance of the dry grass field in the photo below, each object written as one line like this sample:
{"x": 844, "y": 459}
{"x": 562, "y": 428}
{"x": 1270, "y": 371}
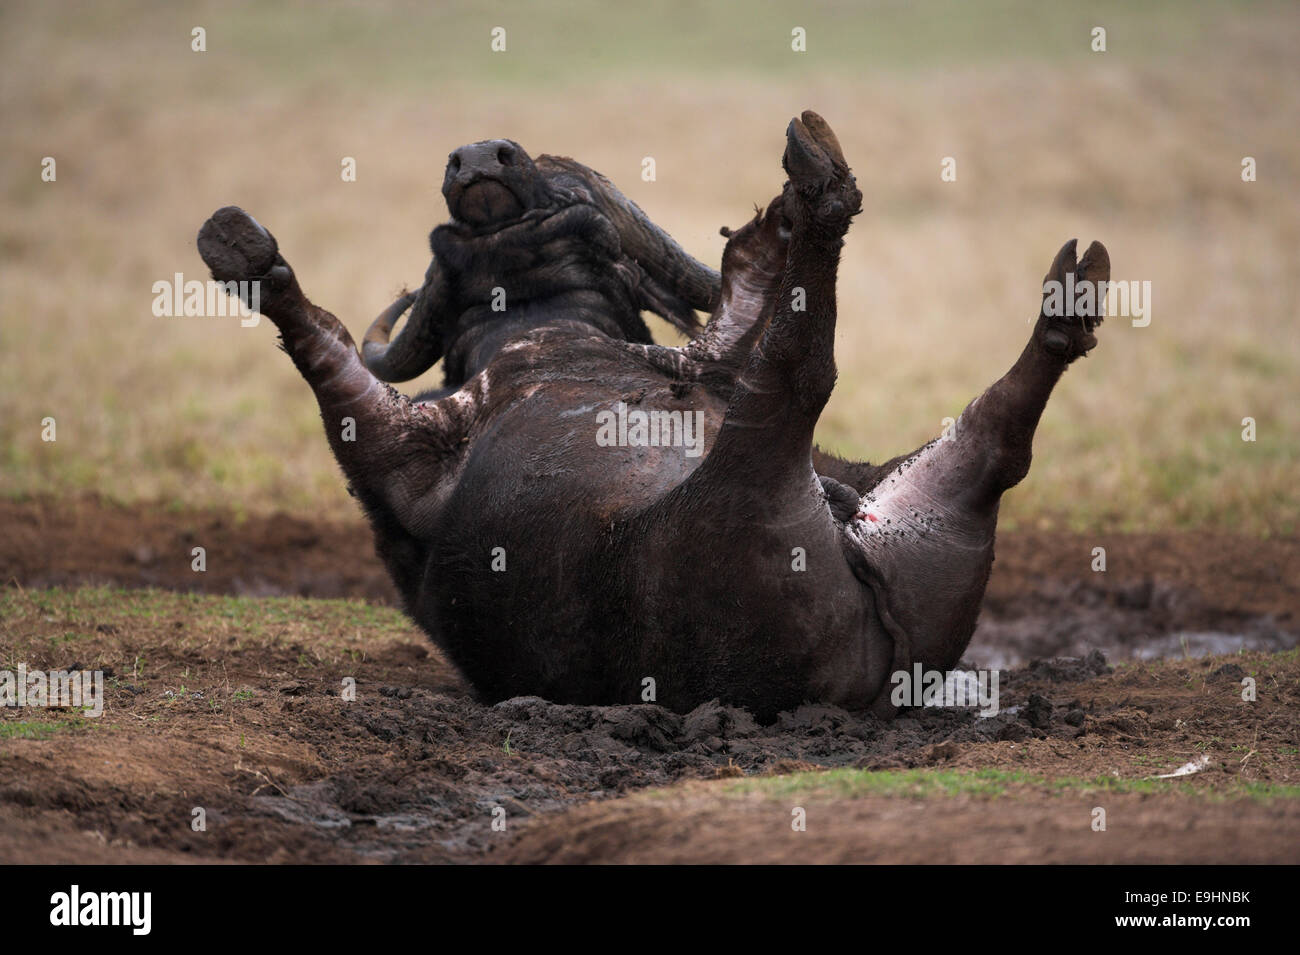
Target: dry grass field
{"x": 177, "y": 431}
{"x": 1140, "y": 146}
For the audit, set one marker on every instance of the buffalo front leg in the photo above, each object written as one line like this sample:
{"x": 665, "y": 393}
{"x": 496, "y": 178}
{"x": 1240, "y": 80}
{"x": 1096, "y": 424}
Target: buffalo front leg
{"x": 396, "y": 454}
{"x": 923, "y": 533}
{"x": 780, "y": 616}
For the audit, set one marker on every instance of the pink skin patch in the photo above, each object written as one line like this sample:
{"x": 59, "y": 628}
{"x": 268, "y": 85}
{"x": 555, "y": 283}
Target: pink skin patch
{"x": 870, "y": 517}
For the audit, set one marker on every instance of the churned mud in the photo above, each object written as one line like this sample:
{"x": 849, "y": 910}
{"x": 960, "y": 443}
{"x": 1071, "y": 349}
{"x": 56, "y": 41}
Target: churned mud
{"x": 237, "y": 706}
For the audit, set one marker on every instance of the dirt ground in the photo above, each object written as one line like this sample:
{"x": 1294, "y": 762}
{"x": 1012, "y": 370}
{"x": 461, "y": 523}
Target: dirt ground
{"x": 232, "y": 704}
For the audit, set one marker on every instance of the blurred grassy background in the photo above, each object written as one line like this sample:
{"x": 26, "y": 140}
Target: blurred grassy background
{"x": 1140, "y": 146}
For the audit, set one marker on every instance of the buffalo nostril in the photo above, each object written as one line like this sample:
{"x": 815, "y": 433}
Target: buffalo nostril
{"x": 505, "y": 155}
{"x": 453, "y": 162}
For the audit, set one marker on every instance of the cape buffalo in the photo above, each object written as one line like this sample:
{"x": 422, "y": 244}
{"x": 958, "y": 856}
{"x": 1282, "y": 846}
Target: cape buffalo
{"x": 543, "y": 516}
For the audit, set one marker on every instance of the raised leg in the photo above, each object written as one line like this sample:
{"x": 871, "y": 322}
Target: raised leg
{"x": 788, "y": 376}
{"x": 393, "y": 451}
{"x": 753, "y": 266}
{"x": 924, "y": 530}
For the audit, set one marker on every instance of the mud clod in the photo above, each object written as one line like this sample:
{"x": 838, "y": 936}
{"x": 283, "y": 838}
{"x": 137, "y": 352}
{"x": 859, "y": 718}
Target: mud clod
{"x": 1229, "y": 671}
{"x": 1071, "y": 669}
{"x": 1038, "y": 712}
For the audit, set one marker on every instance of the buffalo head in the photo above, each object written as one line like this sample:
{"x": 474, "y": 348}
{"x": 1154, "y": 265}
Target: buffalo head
{"x": 492, "y": 182}
{"x": 554, "y": 235}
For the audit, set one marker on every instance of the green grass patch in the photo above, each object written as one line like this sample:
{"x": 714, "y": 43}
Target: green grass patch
{"x": 139, "y": 633}
{"x": 85, "y": 608}
{"x": 932, "y": 783}
{"x": 32, "y": 729}
{"x": 860, "y": 783}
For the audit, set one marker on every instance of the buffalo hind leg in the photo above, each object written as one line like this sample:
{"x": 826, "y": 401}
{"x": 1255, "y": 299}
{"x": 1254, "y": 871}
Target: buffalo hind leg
{"x": 924, "y": 529}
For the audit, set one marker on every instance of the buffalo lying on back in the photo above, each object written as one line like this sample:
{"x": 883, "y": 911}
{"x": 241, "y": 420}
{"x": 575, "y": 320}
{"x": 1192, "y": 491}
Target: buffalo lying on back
{"x": 584, "y": 515}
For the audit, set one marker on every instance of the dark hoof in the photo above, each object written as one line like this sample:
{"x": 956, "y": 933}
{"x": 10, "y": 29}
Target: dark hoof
{"x": 805, "y": 159}
{"x": 1074, "y": 295}
{"x": 235, "y": 247}
{"x": 812, "y": 151}
{"x": 819, "y": 176}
